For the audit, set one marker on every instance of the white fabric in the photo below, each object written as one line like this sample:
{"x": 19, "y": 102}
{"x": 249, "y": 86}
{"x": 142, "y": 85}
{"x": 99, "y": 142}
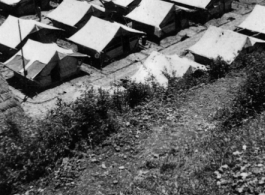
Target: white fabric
{"x": 151, "y": 12}
{"x": 97, "y": 33}
{"x": 157, "y": 64}
{"x": 123, "y": 3}
{"x": 42, "y": 52}
{"x": 9, "y": 31}
{"x": 10, "y": 2}
{"x": 70, "y": 12}
{"x": 217, "y": 42}
{"x": 256, "y": 20}
{"x": 194, "y": 3}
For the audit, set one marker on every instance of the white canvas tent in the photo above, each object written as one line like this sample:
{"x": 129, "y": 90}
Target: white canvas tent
{"x": 72, "y": 12}
{"x": 10, "y": 33}
{"x": 157, "y": 64}
{"x": 40, "y": 59}
{"x": 152, "y": 13}
{"x": 255, "y": 21}
{"x": 217, "y": 42}
{"x": 97, "y": 34}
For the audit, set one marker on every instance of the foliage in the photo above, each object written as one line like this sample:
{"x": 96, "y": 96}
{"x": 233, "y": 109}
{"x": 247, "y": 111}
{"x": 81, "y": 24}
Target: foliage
{"x": 218, "y": 69}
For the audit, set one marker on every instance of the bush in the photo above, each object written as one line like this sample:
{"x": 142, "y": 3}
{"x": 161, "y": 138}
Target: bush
{"x": 218, "y": 69}
{"x": 30, "y": 150}
{"x": 250, "y": 99}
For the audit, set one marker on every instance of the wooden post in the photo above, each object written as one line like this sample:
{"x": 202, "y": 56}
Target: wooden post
{"x": 23, "y": 62}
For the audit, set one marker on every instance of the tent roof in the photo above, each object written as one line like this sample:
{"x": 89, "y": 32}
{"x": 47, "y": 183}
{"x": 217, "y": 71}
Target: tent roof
{"x": 36, "y": 56}
{"x": 123, "y": 3}
{"x": 97, "y": 33}
{"x": 194, "y": 3}
{"x": 70, "y": 12}
{"x": 10, "y": 2}
{"x": 9, "y": 31}
{"x": 151, "y": 12}
{"x": 256, "y": 20}
{"x": 219, "y": 42}
{"x": 157, "y": 64}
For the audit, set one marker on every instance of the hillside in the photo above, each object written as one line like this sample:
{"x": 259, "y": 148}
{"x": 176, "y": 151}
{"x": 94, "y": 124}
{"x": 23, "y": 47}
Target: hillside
{"x": 204, "y": 134}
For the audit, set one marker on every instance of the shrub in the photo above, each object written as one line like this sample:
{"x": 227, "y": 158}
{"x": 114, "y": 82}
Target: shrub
{"x": 250, "y": 99}
{"x": 218, "y": 69}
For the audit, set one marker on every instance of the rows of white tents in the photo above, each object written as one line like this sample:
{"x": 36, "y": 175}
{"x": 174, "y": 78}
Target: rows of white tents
{"x": 215, "y": 43}
{"x": 96, "y": 37}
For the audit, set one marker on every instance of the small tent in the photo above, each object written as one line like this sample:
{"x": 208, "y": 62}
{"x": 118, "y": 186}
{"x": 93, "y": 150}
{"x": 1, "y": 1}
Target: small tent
{"x": 72, "y": 15}
{"x": 23, "y": 7}
{"x": 157, "y": 66}
{"x": 104, "y": 39}
{"x": 255, "y": 21}
{"x": 154, "y": 17}
{"x": 14, "y": 32}
{"x": 44, "y": 63}
{"x": 217, "y": 42}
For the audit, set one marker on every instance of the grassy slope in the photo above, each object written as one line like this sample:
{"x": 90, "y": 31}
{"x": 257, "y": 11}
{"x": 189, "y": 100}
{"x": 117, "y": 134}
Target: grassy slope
{"x": 156, "y": 160}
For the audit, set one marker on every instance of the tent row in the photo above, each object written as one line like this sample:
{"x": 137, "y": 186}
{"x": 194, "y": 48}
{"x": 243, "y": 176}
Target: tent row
{"x": 214, "y": 44}
{"x": 154, "y": 17}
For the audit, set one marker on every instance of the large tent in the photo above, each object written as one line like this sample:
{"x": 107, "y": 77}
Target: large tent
{"x": 103, "y": 37}
{"x": 157, "y": 66}
{"x": 255, "y": 21}
{"x": 14, "y": 32}
{"x": 74, "y": 14}
{"x": 42, "y": 63}
{"x": 217, "y": 42}
{"x": 23, "y": 7}
{"x": 154, "y": 17}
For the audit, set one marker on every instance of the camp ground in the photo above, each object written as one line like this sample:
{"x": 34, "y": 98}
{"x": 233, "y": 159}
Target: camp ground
{"x": 105, "y": 40}
{"x": 71, "y": 15}
{"x": 14, "y": 32}
{"x": 253, "y": 25}
{"x": 157, "y": 66}
{"x": 22, "y": 7}
{"x": 217, "y": 42}
{"x": 156, "y": 18}
{"x": 44, "y": 64}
